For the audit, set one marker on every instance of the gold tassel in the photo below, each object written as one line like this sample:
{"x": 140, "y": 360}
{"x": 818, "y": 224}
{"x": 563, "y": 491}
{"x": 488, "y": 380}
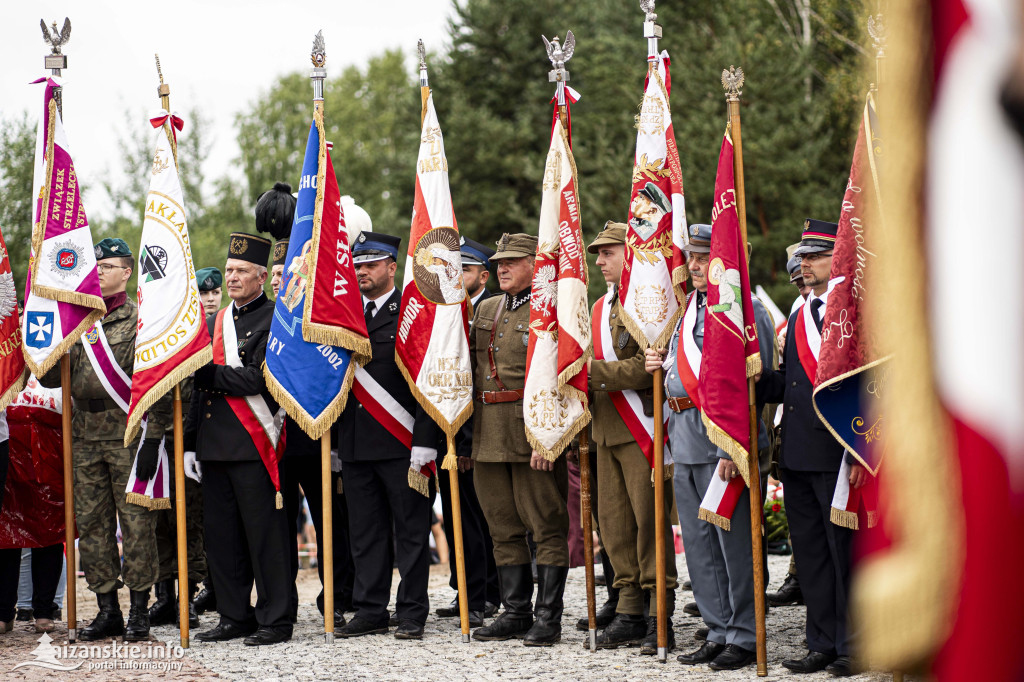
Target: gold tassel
{"x": 451, "y": 462}
{"x": 419, "y": 483}
{"x": 139, "y": 499}
{"x": 716, "y": 519}
{"x": 278, "y": 501}
{"x": 160, "y": 503}
{"x": 846, "y": 519}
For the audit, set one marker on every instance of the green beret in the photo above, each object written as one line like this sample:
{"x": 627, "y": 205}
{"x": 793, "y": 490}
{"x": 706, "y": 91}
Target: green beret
{"x": 209, "y": 279}
{"x": 112, "y": 247}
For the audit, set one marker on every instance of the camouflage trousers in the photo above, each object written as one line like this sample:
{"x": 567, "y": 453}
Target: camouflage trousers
{"x": 101, "y": 470}
{"x": 167, "y": 533}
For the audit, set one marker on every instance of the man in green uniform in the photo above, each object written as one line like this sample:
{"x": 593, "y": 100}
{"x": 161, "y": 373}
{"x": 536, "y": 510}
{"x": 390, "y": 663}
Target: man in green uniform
{"x": 102, "y": 465}
{"x": 626, "y": 511}
{"x": 520, "y": 491}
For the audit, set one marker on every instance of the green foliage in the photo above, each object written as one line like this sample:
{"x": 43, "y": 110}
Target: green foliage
{"x": 17, "y": 148}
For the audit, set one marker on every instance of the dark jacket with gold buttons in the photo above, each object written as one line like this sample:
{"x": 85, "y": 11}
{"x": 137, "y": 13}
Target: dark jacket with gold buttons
{"x": 212, "y": 430}
{"x": 360, "y": 436}
{"x": 499, "y": 434}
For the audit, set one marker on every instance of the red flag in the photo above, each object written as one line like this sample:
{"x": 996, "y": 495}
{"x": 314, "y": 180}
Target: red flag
{"x": 12, "y": 360}
{"x": 731, "y": 353}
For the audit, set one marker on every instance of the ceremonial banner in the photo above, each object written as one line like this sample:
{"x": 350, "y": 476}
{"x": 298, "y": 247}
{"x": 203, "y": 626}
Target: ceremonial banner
{"x": 555, "y": 393}
{"x": 311, "y": 380}
{"x": 62, "y": 290}
{"x": 12, "y": 358}
{"x": 172, "y": 339}
{"x": 778, "y": 317}
{"x": 432, "y": 348}
{"x": 847, "y": 361}
{"x": 655, "y": 263}
{"x": 731, "y": 353}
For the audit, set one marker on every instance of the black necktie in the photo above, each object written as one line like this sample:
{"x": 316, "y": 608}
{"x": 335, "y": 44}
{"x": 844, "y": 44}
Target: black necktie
{"x": 815, "y": 313}
{"x": 371, "y": 306}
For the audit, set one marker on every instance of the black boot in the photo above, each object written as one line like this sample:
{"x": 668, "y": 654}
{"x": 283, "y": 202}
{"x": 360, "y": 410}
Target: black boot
{"x": 138, "y": 617}
{"x": 788, "y": 595}
{"x": 547, "y": 625}
{"x": 206, "y": 600}
{"x": 649, "y": 646}
{"x": 193, "y": 617}
{"x": 109, "y": 622}
{"x": 604, "y": 615}
{"x": 165, "y": 609}
{"x": 625, "y": 629}
{"x": 516, "y": 593}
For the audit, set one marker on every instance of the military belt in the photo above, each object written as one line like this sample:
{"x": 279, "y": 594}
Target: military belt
{"x": 679, "y": 404}
{"x": 95, "y": 405}
{"x": 491, "y": 397}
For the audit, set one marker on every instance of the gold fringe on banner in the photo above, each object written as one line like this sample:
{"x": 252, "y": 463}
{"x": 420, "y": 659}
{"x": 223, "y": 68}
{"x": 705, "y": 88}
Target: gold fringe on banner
{"x": 717, "y": 519}
{"x": 449, "y": 428}
{"x": 753, "y": 365}
{"x": 846, "y": 519}
{"x": 564, "y": 442}
{"x": 148, "y": 502}
{"x": 174, "y": 377}
{"x": 740, "y": 456}
{"x": 419, "y": 483}
{"x": 318, "y": 426}
{"x": 12, "y": 391}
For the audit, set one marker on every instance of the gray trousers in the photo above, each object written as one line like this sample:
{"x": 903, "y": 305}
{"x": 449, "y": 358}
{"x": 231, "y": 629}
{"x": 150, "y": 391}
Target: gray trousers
{"x": 719, "y": 561}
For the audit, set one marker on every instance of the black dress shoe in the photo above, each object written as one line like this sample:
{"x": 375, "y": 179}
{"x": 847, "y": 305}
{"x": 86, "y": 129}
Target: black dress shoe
{"x": 649, "y": 646}
{"x": 842, "y": 667}
{"x": 602, "y": 618}
{"x": 206, "y": 600}
{"x": 705, "y": 654}
{"x": 490, "y": 609}
{"x": 811, "y": 663}
{"x": 393, "y": 621}
{"x": 357, "y": 627}
{"x": 450, "y": 611}
{"x": 701, "y": 634}
{"x": 733, "y": 657}
{"x": 223, "y": 632}
{"x": 24, "y": 615}
{"x": 409, "y": 629}
{"x": 625, "y": 629}
{"x": 788, "y": 595}
{"x": 688, "y": 586}
{"x": 267, "y": 636}
{"x": 691, "y": 609}
{"x": 476, "y": 619}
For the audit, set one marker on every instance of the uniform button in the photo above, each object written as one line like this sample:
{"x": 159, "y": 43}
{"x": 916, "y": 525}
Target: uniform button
{"x": 208, "y": 402}
{"x": 359, "y": 406}
{"x": 614, "y": 315}
{"x": 207, "y": 415}
{"x": 236, "y": 317}
{"x": 790, "y": 408}
{"x": 496, "y": 349}
{"x": 794, "y": 383}
{"x": 602, "y": 385}
{"x": 671, "y": 376}
{"x": 505, "y": 320}
{"x": 248, "y": 333}
{"x": 501, "y": 334}
{"x": 487, "y": 378}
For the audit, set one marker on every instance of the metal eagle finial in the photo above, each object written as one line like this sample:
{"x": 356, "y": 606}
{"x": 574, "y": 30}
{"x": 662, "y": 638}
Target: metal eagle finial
{"x": 319, "y": 53}
{"x": 560, "y": 54}
{"x": 876, "y": 29}
{"x": 732, "y": 81}
{"x": 422, "y": 52}
{"x": 56, "y": 40}
{"x": 648, "y": 7}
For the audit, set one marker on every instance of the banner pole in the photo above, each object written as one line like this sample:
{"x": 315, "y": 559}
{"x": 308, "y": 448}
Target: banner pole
{"x": 659, "y": 513}
{"x": 587, "y": 522}
{"x": 69, "y": 496}
{"x": 325, "y": 550}
{"x": 732, "y": 81}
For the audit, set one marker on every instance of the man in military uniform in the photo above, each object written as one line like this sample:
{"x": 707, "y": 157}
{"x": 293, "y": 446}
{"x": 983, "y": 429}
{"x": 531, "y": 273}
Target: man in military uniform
{"x": 102, "y": 465}
{"x": 210, "y": 281}
{"x": 232, "y": 430}
{"x": 481, "y": 573}
{"x": 376, "y": 461}
{"x": 719, "y": 561}
{"x": 626, "y": 511}
{"x": 524, "y": 492}
{"x": 809, "y": 467}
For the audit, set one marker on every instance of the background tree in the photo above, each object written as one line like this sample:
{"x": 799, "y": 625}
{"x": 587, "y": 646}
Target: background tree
{"x": 17, "y": 148}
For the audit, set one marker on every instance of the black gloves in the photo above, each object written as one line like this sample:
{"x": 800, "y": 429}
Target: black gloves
{"x": 204, "y": 377}
{"x": 146, "y": 460}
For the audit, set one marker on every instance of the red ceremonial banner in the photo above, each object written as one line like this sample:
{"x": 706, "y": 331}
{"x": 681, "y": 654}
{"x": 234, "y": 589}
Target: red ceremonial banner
{"x": 12, "y": 360}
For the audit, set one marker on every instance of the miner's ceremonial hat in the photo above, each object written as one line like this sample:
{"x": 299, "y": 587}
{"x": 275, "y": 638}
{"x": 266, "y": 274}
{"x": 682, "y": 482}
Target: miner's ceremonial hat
{"x": 700, "y": 238}
{"x": 475, "y": 253}
{"x": 519, "y": 245}
{"x": 356, "y": 219}
{"x": 209, "y": 279}
{"x": 275, "y": 210}
{"x": 371, "y": 246}
{"x": 112, "y": 247}
{"x": 793, "y": 267}
{"x": 613, "y": 233}
{"x": 249, "y": 247}
{"x": 280, "y": 251}
{"x": 818, "y": 236}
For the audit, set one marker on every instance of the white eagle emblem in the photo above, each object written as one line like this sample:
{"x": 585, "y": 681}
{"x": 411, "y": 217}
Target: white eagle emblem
{"x": 545, "y": 288}
{"x": 8, "y": 295}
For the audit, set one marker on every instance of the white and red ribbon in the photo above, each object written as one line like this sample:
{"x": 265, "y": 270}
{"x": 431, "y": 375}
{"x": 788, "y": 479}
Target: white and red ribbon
{"x": 720, "y": 500}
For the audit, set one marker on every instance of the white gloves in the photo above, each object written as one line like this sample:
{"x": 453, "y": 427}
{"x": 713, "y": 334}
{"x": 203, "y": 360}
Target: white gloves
{"x": 335, "y": 462}
{"x": 421, "y": 456}
{"x": 192, "y": 468}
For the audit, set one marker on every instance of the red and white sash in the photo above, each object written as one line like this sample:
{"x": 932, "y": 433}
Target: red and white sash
{"x": 398, "y": 421}
{"x": 154, "y": 493}
{"x": 847, "y": 500}
{"x": 808, "y": 338}
{"x": 688, "y": 354}
{"x": 627, "y": 403}
{"x": 720, "y": 500}
{"x": 265, "y": 429}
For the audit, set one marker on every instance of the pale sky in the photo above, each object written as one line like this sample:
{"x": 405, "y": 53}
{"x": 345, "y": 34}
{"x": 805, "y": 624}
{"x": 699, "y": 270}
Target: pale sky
{"x": 218, "y": 55}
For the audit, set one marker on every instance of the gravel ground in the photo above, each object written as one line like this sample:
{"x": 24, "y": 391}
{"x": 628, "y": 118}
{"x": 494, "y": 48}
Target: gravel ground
{"x": 440, "y": 655}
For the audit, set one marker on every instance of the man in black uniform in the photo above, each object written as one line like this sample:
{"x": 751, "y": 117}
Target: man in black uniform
{"x": 481, "y": 573}
{"x": 234, "y": 428}
{"x": 375, "y": 462}
{"x": 809, "y": 467}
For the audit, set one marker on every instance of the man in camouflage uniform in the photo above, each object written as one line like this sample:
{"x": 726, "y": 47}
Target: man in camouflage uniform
{"x": 521, "y": 492}
{"x": 102, "y": 465}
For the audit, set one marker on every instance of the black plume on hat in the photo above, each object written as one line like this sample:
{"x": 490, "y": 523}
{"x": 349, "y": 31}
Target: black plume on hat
{"x": 275, "y": 210}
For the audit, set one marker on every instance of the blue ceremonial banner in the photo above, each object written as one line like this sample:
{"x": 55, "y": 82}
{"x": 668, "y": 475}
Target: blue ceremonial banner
{"x": 850, "y": 408}
{"x": 310, "y": 380}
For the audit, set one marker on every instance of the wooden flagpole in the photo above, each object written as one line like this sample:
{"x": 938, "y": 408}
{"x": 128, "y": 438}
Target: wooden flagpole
{"x": 453, "y": 474}
{"x": 164, "y": 91}
{"x": 56, "y": 62}
{"x": 732, "y": 81}
{"x": 325, "y": 545}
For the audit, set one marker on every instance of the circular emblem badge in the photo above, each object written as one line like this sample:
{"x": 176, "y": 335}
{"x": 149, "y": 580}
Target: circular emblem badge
{"x": 92, "y": 336}
{"x": 437, "y": 266}
{"x": 67, "y": 259}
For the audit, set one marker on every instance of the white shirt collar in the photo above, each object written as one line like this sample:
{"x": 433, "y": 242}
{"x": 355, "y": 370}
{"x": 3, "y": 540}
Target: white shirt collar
{"x": 474, "y": 299}
{"x": 378, "y": 302}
